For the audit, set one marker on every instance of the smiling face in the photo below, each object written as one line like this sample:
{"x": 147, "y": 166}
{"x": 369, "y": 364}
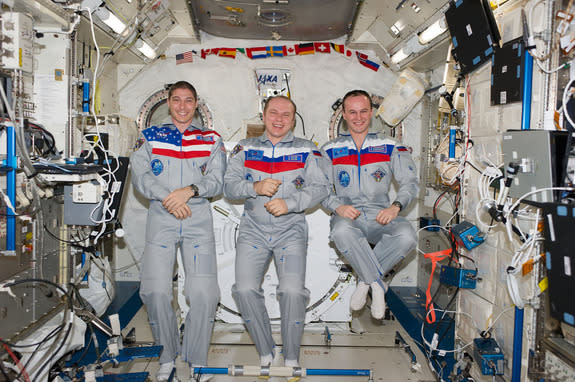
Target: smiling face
{"x": 278, "y": 118}
{"x": 182, "y": 104}
{"x": 357, "y": 113}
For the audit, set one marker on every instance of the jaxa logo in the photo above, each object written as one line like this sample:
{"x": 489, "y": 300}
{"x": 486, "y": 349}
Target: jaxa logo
{"x": 157, "y": 167}
{"x": 344, "y": 178}
{"x": 264, "y": 79}
{"x": 298, "y": 182}
{"x": 378, "y": 175}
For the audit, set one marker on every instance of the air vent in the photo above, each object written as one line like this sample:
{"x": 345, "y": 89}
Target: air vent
{"x": 274, "y": 18}
{"x": 305, "y": 20}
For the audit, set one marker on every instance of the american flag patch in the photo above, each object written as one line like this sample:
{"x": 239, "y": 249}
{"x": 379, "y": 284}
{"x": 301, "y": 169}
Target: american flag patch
{"x": 182, "y": 58}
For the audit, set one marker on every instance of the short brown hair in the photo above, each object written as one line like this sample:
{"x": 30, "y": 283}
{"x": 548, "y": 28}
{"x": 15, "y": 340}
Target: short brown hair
{"x": 182, "y": 85}
{"x": 280, "y": 97}
{"x": 356, "y": 93}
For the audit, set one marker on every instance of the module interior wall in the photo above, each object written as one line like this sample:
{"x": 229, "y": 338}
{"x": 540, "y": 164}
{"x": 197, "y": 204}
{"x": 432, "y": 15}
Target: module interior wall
{"x": 229, "y": 89}
{"x": 490, "y": 298}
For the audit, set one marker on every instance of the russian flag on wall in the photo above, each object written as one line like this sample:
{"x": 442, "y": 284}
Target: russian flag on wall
{"x": 366, "y": 62}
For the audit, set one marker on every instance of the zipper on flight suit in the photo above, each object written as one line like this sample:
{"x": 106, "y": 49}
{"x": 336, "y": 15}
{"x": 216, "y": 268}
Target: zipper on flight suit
{"x": 181, "y": 169}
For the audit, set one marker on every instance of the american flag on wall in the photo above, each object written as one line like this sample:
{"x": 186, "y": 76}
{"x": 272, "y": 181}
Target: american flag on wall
{"x": 182, "y": 58}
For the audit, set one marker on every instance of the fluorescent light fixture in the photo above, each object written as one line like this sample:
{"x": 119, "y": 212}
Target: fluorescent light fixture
{"x": 110, "y": 20}
{"x": 433, "y": 31}
{"x": 400, "y": 55}
{"x": 146, "y": 49}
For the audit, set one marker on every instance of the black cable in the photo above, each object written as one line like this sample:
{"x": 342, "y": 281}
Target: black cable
{"x": 46, "y": 133}
{"x": 74, "y": 243}
{"x": 26, "y": 281}
{"x": 70, "y": 306}
{"x": 302, "y": 122}
{"x": 77, "y": 363}
{"x": 39, "y": 372}
{"x": 45, "y": 339}
{"x": 289, "y": 95}
{"x": 54, "y": 332}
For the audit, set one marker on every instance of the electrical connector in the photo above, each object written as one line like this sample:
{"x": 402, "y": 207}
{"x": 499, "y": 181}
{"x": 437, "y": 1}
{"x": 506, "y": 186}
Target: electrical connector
{"x": 489, "y": 356}
{"x": 459, "y": 277}
{"x": 434, "y": 342}
{"x": 467, "y": 234}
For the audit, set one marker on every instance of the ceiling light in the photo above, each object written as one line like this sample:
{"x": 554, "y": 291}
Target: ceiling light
{"x": 433, "y": 31}
{"x": 400, "y": 55}
{"x": 146, "y": 49}
{"x": 110, "y": 20}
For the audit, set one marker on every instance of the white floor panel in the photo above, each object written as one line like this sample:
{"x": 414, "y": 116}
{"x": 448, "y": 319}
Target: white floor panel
{"x": 374, "y": 349}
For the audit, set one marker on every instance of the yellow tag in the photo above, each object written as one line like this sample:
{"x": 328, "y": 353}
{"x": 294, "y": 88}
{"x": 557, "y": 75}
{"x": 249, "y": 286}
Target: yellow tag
{"x": 543, "y": 284}
{"x": 235, "y": 10}
{"x": 20, "y": 57}
{"x": 334, "y": 296}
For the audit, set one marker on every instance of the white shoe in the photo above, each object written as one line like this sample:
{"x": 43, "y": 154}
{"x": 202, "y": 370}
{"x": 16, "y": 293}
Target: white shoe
{"x": 359, "y": 296}
{"x": 200, "y": 377}
{"x": 165, "y": 371}
{"x": 377, "y": 301}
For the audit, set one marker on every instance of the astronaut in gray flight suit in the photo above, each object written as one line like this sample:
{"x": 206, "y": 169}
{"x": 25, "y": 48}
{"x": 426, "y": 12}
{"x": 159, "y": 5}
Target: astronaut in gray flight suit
{"x": 279, "y": 176}
{"x": 360, "y": 165}
{"x": 177, "y": 167}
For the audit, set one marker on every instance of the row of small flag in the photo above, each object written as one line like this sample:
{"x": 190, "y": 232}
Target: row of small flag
{"x": 280, "y": 51}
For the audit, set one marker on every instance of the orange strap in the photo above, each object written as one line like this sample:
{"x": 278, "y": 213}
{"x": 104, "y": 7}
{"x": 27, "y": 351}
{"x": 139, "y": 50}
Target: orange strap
{"x": 435, "y": 257}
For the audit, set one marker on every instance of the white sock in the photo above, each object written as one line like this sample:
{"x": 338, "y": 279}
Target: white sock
{"x": 377, "y": 301}
{"x": 291, "y": 363}
{"x": 165, "y": 370}
{"x": 266, "y": 360}
{"x": 359, "y": 296}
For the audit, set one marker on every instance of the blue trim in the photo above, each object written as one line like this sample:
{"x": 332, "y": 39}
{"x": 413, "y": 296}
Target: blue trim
{"x": 11, "y": 163}
{"x": 129, "y": 377}
{"x": 526, "y": 96}
{"x": 517, "y": 345}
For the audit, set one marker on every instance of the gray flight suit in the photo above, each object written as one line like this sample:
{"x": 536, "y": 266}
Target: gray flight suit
{"x": 168, "y": 160}
{"x": 362, "y": 178}
{"x": 295, "y": 162}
